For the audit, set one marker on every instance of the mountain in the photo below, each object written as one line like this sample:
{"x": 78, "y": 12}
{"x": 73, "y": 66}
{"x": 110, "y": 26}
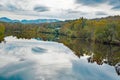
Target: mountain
{"x": 4, "y": 19}
{"x": 39, "y": 21}
{"x": 36, "y": 21}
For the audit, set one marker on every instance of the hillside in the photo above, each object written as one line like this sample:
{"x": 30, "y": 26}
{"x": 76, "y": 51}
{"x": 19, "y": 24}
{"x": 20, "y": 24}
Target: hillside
{"x": 103, "y": 30}
{"x": 36, "y": 21}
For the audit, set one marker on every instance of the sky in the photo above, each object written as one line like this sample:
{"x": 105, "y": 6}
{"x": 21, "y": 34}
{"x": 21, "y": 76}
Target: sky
{"x": 58, "y": 9}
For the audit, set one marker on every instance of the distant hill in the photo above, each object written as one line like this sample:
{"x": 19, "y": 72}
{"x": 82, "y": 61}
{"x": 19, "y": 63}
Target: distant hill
{"x": 36, "y": 21}
{"x": 116, "y": 17}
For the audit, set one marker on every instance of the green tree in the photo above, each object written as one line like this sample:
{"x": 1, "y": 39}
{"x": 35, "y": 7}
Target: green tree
{"x": 2, "y": 29}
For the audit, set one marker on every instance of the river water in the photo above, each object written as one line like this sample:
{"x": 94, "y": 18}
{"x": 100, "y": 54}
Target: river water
{"x": 31, "y": 59}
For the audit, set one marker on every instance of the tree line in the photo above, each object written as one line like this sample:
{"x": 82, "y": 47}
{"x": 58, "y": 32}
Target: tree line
{"x": 102, "y": 30}
{"x": 2, "y": 29}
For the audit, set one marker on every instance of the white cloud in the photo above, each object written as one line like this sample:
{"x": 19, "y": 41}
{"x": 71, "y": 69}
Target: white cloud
{"x": 59, "y": 9}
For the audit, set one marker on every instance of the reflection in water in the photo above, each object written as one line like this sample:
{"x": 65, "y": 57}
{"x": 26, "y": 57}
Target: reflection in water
{"x": 98, "y": 52}
{"x": 18, "y": 61}
{"x": 1, "y": 38}
{"x": 117, "y": 68}
{"x": 38, "y": 50}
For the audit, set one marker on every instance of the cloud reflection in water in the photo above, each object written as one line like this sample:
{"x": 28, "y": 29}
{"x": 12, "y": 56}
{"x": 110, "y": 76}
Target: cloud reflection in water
{"x": 18, "y": 61}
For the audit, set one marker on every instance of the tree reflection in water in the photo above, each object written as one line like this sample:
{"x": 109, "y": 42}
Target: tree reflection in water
{"x": 99, "y": 53}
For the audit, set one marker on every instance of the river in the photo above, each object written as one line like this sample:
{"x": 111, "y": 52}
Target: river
{"x": 66, "y": 59}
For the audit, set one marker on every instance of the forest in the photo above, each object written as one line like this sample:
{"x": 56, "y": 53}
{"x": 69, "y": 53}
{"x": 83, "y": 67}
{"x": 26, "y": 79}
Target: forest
{"x": 100, "y": 30}
{"x": 103, "y": 30}
{"x": 2, "y": 30}
{"x": 80, "y": 35}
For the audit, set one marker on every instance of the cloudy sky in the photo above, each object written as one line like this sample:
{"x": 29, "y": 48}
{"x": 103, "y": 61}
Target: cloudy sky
{"x": 58, "y": 9}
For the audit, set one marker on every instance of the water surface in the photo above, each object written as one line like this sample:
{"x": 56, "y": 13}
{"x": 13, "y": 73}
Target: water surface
{"x": 31, "y": 59}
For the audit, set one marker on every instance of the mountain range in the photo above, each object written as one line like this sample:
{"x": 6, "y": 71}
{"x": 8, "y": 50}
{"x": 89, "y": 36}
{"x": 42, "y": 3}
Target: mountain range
{"x": 36, "y": 21}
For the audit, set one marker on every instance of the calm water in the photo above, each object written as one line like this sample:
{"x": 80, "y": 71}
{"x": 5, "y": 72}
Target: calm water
{"x": 57, "y": 58}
